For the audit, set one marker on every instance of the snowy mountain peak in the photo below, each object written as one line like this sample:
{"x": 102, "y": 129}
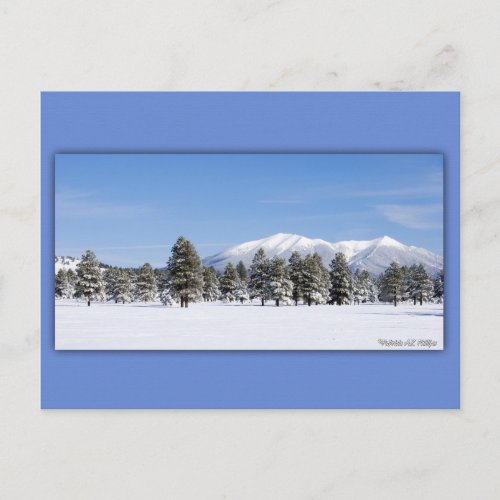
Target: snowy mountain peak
{"x": 388, "y": 241}
{"x": 372, "y": 255}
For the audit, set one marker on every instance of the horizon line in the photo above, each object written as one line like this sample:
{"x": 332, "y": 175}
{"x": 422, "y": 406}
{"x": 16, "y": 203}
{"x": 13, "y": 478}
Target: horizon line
{"x": 167, "y": 245}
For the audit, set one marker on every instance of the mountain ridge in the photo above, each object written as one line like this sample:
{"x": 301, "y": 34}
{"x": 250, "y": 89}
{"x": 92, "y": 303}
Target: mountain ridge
{"x": 373, "y": 255}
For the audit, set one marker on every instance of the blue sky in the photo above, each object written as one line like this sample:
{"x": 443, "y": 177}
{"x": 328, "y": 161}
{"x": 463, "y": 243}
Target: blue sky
{"x": 130, "y": 209}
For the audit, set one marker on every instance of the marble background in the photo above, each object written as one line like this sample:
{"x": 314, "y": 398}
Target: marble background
{"x": 249, "y": 45}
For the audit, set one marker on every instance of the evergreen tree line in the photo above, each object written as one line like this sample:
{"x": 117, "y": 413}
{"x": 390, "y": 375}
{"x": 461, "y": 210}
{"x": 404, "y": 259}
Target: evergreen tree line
{"x": 300, "y": 279}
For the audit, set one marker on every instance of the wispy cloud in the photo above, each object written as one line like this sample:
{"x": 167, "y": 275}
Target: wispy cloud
{"x": 412, "y": 192}
{"x": 208, "y": 245}
{"x": 413, "y": 216}
{"x": 325, "y": 216}
{"x": 282, "y": 202}
{"x": 430, "y": 186}
{"x": 159, "y": 246}
{"x": 426, "y": 190}
{"x": 65, "y": 194}
{"x": 70, "y": 203}
{"x": 136, "y": 247}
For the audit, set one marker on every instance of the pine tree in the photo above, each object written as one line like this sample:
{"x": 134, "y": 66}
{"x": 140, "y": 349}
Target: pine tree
{"x": 242, "y": 271}
{"x": 229, "y": 284}
{"x": 359, "y": 291}
{"x": 280, "y": 285}
{"x": 314, "y": 280}
{"x": 166, "y": 296}
{"x": 90, "y": 284}
{"x": 61, "y": 284}
{"x": 310, "y": 279}
{"x": 72, "y": 279}
{"x": 259, "y": 276}
{"x": 186, "y": 275}
{"x": 372, "y": 286}
{"x": 439, "y": 287}
{"x": 405, "y": 276}
{"x": 419, "y": 285}
{"x": 410, "y": 283}
{"x": 379, "y": 283}
{"x": 242, "y": 291}
{"x": 159, "y": 274}
{"x": 124, "y": 289}
{"x": 146, "y": 287}
{"x": 110, "y": 277}
{"x": 324, "y": 289}
{"x": 365, "y": 288}
{"x": 393, "y": 283}
{"x": 210, "y": 284}
{"x": 340, "y": 280}
{"x": 295, "y": 266}
{"x": 426, "y": 285}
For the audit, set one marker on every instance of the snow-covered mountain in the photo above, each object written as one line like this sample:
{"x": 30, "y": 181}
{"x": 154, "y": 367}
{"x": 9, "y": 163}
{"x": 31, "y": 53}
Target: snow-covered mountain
{"x": 66, "y": 263}
{"x": 373, "y": 255}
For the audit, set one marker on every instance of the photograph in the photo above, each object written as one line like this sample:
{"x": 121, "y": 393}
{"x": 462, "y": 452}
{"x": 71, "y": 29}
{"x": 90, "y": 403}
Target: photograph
{"x": 249, "y": 251}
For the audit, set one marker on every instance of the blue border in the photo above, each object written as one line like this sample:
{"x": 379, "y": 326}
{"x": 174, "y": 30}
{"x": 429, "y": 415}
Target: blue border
{"x": 327, "y": 122}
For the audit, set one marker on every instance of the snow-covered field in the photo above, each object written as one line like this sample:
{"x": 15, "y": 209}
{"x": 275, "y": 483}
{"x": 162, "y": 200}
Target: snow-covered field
{"x": 216, "y": 326}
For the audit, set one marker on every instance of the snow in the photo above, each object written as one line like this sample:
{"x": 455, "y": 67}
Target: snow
{"x": 372, "y": 255}
{"x": 66, "y": 263}
{"x": 387, "y": 241}
{"x": 62, "y": 262}
{"x": 219, "y": 326}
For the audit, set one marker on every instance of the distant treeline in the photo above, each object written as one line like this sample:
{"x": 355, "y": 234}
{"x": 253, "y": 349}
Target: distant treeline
{"x": 298, "y": 280}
